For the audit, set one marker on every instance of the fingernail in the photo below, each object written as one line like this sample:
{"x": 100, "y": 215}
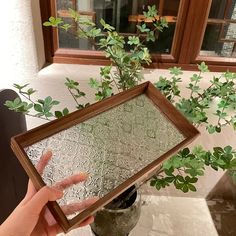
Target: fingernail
{"x": 47, "y": 150}
{"x": 84, "y": 175}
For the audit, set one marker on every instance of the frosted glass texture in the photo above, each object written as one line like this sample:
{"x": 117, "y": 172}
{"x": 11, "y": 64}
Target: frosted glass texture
{"x": 111, "y": 147}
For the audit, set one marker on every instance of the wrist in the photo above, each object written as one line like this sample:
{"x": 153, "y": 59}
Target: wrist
{"x": 3, "y": 231}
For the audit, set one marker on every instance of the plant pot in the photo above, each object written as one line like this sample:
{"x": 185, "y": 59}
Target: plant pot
{"x": 118, "y": 222}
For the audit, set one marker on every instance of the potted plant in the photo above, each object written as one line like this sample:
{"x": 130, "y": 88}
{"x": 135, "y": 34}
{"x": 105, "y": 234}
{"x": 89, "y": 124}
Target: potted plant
{"x": 125, "y": 71}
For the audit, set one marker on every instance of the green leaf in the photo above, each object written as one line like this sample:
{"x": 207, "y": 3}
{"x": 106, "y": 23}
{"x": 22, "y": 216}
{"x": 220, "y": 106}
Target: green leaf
{"x": 74, "y": 14}
{"x": 65, "y": 111}
{"x": 152, "y": 12}
{"x": 58, "y": 114}
{"x": 170, "y": 179}
{"x": 30, "y": 91}
{"x": 218, "y": 129}
{"x": 203, "y": 67}
{"x": 143, "y": 28}
{"x": 169, "y": 171}
{"x": 191, "y": 180}
{"x": 38, "y": 107}
{"x": 48, "y": 100}
{"x": 54, "y": 22}
{"x": 153, "y": 182}
{"x": 48, "y": 114}
{"x": 185, "y": 188}
{"x": 233, "y": 163}
{"x": 150, "y": 36}
{"x": 55, "y": 102}
{"x": 20, "y": 87}
{"x": 9, "y": 104}
{"x": 185, "y": 152}
{"x": 218, "y": 149}
{"x": 195, "y": 78}
{"x": 228, "y": 149}
{"x": 211, "y": 129}
{"x": 106, "y": 26}
{"x": 65, "y": 27}
{"x": 158, "y": 186}
{"x": 47, "y": 23}
{"x": 164, "y": 22}
{"x": 192, "y": 187}
{"x": 133, "y": 40}
{"x": 180, "y": 178}
{"x": 93, "y": 83}
{"x": 176, "y": 71}
{"x": 93, "y": 33}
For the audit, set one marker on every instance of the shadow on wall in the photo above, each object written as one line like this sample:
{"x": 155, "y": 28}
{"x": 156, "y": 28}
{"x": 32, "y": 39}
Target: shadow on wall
{"x": 221, "y": 202}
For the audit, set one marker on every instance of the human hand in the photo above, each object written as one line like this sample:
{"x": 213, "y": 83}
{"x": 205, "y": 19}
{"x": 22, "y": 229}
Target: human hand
{"x": 32, "y": 218}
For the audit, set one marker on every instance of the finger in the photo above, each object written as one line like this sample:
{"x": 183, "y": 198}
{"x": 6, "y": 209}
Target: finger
{"x": 66, "y": 183}
{"x": 78, "y": 206}
{"x": 39, "y": 200}
{"x": 45, "y": 158}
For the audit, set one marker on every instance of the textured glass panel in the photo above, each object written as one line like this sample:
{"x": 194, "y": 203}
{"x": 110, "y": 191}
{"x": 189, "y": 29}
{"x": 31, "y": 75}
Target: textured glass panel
{"x": 111, "y": 147}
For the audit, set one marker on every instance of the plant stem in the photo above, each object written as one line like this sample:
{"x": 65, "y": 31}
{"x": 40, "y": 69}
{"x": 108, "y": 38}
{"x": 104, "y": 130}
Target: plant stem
{"x": 115, "y": 82}
{"x": 191, "y": 95}
{"x": 73, "y": 96}
{"x": 223, "y": 108}
{"x": 28, "y": 98}
{"x": 39, "y": 117}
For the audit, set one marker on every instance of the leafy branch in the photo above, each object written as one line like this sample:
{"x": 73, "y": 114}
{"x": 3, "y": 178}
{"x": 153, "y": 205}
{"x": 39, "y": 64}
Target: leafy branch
{"x": 184, "y": 169}
{"x": 43, "y": 108}
{"x": 128, "y": 63}
{"x": 197, "y": 107}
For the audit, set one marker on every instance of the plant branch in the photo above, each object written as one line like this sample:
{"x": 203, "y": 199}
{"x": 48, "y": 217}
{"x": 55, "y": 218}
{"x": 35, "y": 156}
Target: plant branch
{"x": 113, "y": 79}
{"x": 73, "y": 96}
{"x": 28, "y": 98}
{"x": 41, "y": 117}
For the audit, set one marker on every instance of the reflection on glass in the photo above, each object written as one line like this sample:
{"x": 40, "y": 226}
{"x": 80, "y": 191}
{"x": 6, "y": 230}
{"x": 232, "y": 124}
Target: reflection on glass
{"x": 217, "y": 9}
{"x": 124, "y": 15}
{"x": 111, "y": 147}
{"x": 220, "y": 35}
{"x": 229, "y": 31}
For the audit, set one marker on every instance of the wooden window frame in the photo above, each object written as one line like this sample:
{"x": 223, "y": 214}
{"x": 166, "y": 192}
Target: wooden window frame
{"x": 187, "y": 41}
{"x": 63, "y": 55}
{"x": 193, "y": 38}
{"x": 20, "y": 142}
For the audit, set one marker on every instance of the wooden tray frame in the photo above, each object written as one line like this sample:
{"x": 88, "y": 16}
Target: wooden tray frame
{"x": 19, "y": 142}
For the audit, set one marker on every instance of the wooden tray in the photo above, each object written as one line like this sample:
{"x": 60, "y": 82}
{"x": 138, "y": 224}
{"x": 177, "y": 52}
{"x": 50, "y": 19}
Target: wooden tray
{"x": 118, "y": 141}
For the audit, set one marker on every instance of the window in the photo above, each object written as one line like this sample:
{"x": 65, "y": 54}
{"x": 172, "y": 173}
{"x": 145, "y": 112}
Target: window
{"x": 220, "y": 35}
{"x": 203, "y": 30}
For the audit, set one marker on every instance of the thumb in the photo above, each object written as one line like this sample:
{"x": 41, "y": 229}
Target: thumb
{"x": 40, "y": 199}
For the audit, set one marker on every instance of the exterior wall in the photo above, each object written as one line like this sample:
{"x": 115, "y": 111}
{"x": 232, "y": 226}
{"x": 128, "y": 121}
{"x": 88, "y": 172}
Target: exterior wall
{"x": 21, "y": 32}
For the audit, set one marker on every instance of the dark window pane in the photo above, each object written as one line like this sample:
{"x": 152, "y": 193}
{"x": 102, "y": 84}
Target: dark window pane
{"x": 120, "y": 14}
{"x": 217, "y": 9}
{"x": 220, "y": 35}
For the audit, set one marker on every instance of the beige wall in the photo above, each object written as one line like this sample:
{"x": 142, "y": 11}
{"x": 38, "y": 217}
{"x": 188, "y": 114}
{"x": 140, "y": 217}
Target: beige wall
{"x": 21, "y": 42}
{"x": 37, "y": 26}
